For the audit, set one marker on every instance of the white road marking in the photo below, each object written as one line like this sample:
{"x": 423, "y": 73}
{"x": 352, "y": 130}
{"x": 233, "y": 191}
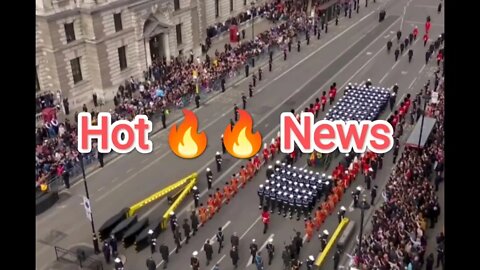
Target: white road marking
{"x": 422, "y": 23}
{"x": 411, "y": 84}
{"x": 249, "y": 228}
{"x": 386, "y": 36}
{"x": 144, "y": 160}
{"x": 422, "y": 69}
{"x": 115, "y": 179}
{"x": 214, "y": 237}
{"x": 404, "y": 72}
{"x": 261, "y": 248}
{"x": 369, "y": 53}
{"x": 219, "y": 261}
{"x": 383, "y": 78}
{"x": 427, "y": 6}
{"x": 101, "y": 188}
{"x": 129, "y": 170}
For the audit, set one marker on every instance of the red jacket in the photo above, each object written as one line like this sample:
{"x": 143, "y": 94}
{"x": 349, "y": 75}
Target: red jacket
{"x": 415, "y": 31}
{"x": 316, "y": 106}
{"x": 332, "y": 93}
{"x": 427, "y": 26}
{"x": 266, "y": 217}
{"x": 324, "y": 100}
{"x": 425, "y": 37}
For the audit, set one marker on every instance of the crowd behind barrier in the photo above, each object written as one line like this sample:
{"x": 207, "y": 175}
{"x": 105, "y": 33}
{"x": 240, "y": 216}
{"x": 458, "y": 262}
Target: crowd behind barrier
{"x": 168, "y": 85}
{"x": 398, "y": 239}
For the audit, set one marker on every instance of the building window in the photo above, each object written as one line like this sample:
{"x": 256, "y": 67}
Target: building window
{"x": 76, "y": 70}
{"x": 117, "y": 18}
{"x": 179, "y": 33}
{"x": 217, "y": 9}
{"x": 231, "y": 5}
{"x": 69, "y": 32}
{"x": 37, "y": 82}
{"x": 176, "y": 4}
{"x": 122, "y": 57}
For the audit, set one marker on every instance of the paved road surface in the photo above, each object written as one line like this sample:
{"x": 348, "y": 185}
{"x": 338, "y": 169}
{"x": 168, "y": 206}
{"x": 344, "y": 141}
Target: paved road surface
{"x": 357, "y": 54}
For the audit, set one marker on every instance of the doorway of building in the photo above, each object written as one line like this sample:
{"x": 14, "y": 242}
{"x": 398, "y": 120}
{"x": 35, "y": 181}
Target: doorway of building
{"x": 156, "y": 47}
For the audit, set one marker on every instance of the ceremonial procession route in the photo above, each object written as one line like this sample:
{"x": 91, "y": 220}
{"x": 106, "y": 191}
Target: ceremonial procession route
{"x": 353, "y": 51}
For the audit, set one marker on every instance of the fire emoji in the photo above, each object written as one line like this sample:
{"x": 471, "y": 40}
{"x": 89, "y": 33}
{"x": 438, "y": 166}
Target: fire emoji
{"x": 240, "y": 142}
{"x": 185, "y": 142}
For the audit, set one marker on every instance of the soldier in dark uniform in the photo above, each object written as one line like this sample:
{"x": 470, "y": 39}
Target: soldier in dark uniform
{"x": 223, "y": 84}
{"x": 393, "y": 98}
{"x": 218, "y": 160}
{"x": 323, "y": 239}
{"x": 285, "y": 54}
{"x": 244, "y": 101}
{"x": 291, "y": 204}
{"x": 307, "y": 37}
{"x": 271, "y": 250}
{"x": 406, "y": 41}
{"x": 270, "y": 56}
{"x": 113, "y": 245}
{"x": 235, "y": 113}
{"x": 272, "y": 200}
{"x": 402, "y": 47}
{"x": 285, "y": 203}
{"x": 177, "y": 236}
{"x": 186, "y": 230}
{"x": 253, "y": 250}
{"x": 153, "y": 241}
{"x": 194, "y": 221}
{"x": 106, "y": 252}
{"x": 410, "y": 38}
{"x": 118, "y": 264}
{"x": 163, "y": 114}
{"x": 261, "y": 192}
{"x": 297, "y": 243}
{"x": 399, "y": 35}
{"x": 269, "y": 171}
{"x": 209, "y": 176}
{"x": 234, "y": 240}
{"x": 336, "y": 259}
{"x": 197, "y": 101}
{"x": 194, "y": 262}
{"x": 220, "y": 239}
{"x": 250, "y": 94}
{"x": 298, "y": 45}
{"x": 389, "y": 45}
{"x": 270, "y": 62}
{"x": 196, "y": 196}
{"x": 151, "y": 265}
{"x": 254, "y": 79}
{"x": 234, "y": 256}
{"x": 165, "y": 254}
{"x": 341, "y": 213}
{"x": 326, "y": 26}
{"x": 305, "y": 207}
{"x": 397, "y": 53}
{"x": 286, "y": 257}
{"x": 318, "y": 34}
{"x": 260, "y": 73}
{"x": 247, "y": 67}
{"x": 289, "y": 45}
{"x": 373, "y": 194}
{"x": 368, "y": 179}
{"x": 356, "y": 196}
{"x": 310, "y": 262}
{"x": 100, "y": 159}
{"x": 410, "y": 55}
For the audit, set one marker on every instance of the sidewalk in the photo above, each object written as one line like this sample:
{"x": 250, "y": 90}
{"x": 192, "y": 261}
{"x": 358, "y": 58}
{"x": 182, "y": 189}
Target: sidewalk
{"x": 261, "y": 25}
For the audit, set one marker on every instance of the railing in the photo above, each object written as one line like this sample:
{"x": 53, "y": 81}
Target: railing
{"x": 79, "y": 258}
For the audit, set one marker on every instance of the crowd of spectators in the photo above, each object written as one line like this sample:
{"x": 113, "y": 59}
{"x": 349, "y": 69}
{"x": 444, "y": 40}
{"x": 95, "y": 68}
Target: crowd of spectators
{"x": 398, "y": 239}
{"x": 168, "y": 84}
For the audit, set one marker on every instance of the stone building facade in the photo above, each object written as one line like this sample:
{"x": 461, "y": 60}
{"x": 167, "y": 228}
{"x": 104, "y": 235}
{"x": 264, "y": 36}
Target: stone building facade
{"x": 93, "y": 46}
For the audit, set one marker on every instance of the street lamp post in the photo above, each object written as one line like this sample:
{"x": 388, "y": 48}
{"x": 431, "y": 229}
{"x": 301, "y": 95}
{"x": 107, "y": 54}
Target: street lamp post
{"x": 363, "y": 206}
{"x": 253, "y": 21}
{"x": 94, "y": 234}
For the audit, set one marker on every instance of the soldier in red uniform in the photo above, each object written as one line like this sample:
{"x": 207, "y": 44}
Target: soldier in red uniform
{"x": 234, "y": 184}
{"x": 332, "y": 93}
{"x": 265, "y": 220}
{"x": 273, "y": 149}
{"x": 266, "y": 154}
{"x": 427, "y": 27}
{"x": 243, "y": 176}
{"x": 415, "y": 32}
{"x": 309, "y": 226}
{"x": 316, "y": 107}
{"x": 256, "y": 163}
{"x": 425, "y": 39}
{"x": 227, "y": 192}
{"x": 324, "y": 100}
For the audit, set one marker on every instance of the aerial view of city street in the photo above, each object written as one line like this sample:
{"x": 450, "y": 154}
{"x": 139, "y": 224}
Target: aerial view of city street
{"x": 240, "y": 134}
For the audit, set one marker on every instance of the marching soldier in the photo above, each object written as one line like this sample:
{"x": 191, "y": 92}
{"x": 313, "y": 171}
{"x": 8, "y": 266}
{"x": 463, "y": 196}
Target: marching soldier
{"x": 356, "y": 196}
{"x": 310, "y": 262}
{"x": 227, "y": 191}
{"x": 207, "y": 247}
{"x": 196, "y": 196}
{"x": 271, "y": 250}
{"x": 269, "y": 171}
{"x": 260, "y": 196}
{"x": 202, "y": 214}
{"x": 113, "y": 245}
{"x": 296, "y": 264}
{"x": 297, "y": 244}
{"x": 186, "y": 230}
{"x": 194, "y": 262}
{"x": 410, "y": 55}
{"x": 253, "y": 250}
{"x": 397, "y": 53}
{"x": 165, "y": 253}
{"x": 106, "y": 252}
{"x": 209, "y": 175}
{"x": 224, "y": 150}
{"x": 389, "y": 45}
{"x": 410, "y": 37}
{"x": 298, "y": 46}
{"x": 323, "y": 239}
{"x": 286, "y": 257}
{"x": 234, "y": 240}
{"x": 270, "y": 55}
{"x": 244, "y": 101}
{"x": 254, "y": 79}
{"x": 234, "y": 256}
{"x": 270, "y": 65}
{"x": 265, "y": 220}
{"x": 220, "y": 239}
{"x": 177, "y": 236}
{"x": 218, "y": 160}
{"x": 402, "y": 47}
{"x": 291, "y": 205}
{"x": 373, "y": 194}
{"x": 194, "y": 222}
{"x": 399, "y": 35}
{"x": 232, "y": 124}
{"x": 235, "y": 114}
{"x": 368, "y": 178}
{"x": 153, "y": 241}
{"x": 406, "y": 41}
{"x": 223, "y": 84}
{"x": 324, "y": 100}
{"x": 259, "y": 73}
{"x": 309, "y": 227}
{"x": 341, "y": 213}
{"x": 246, "y": 70}
{"x": 197, "y": 100}
{"x": 298, "y": 206}
{"x": 151, "y": 265}
{"x": 318, "y": 34}
{"x": 118, "y": 264}
{"x": 393, "y": 98}
{"x": 163, "y": 114}
{"x": 250, "y": 91}
{"x": 285, "y": 53}
{"x": 307, "y": 37}
{"x": 336, "y": 259}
